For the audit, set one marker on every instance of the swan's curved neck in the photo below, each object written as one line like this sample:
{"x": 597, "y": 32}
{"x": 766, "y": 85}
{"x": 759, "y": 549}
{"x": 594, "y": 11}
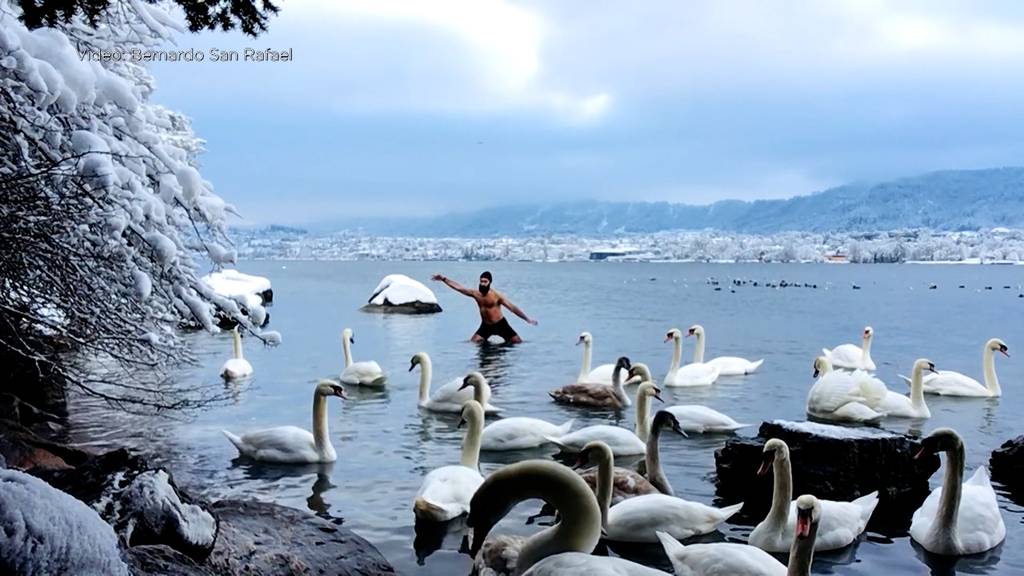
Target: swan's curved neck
{"x": 481, "y": 392}
{"x": 321, "y": 435}
{"x": 471, "y": 443}
{"x": 988, "y": 366}
{"x": 619, "y": 388}
{"x": 643, "y": 414}
{"x": 801, "y": 553}
{"x": 585, "y": 367}
{"x": 580, "y": 527}
{"x": 345, "y": 348}
{"x": 652, "y": 460}
{"x": 698, "y": 348}
{"x": 917, "y": 388}
{"x": 236, "y": 343}
{"x": 945, "y": 527}
{"x": 605, "y": 472}
{"x": 425, "y": 374}
{"x": 865, "y": 352}
{"x": 782, "y": 493}
{"x": 677, "y": 354}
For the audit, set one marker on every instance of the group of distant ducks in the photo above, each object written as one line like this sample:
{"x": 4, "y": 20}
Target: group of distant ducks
{"x": 621, "y": 505}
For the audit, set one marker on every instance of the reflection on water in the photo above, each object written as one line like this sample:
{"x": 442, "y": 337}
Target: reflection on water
{"x": 431, "y": 537}
{"x": 984, "y": 563}
{"x": 386, "y": 444}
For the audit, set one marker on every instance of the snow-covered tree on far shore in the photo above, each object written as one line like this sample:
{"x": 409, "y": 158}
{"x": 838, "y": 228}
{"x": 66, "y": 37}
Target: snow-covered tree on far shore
{"x": 105, "y": 221}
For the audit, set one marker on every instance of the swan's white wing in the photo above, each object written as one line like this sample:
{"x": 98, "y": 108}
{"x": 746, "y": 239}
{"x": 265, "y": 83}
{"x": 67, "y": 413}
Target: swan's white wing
{"x": 719, "y": 559}
{"x": 854, "y": 412}
{"x": 520, "y": 433}
{"x": 236, "y": 368}
{"x": 693, "y": 375}
{"x": 637, "y": 519}
{"x": 622, "y": 442}
{"x": 281, "y": 444}
{"x": 580, "y": 564}
{"x": 845, "y": 356}
{"x": 733, "y": 365}
{"x": 897, "y": 405}
{"x": 831, "y": 391}
{"x": 870, "y": 388}
{"x": 950, "y": 383}
{"x": 697, "y": 418}
{"x": 365, "y": 372}
{"x": 603, "y": 374}
{"x": 448, "y": 490}
{"x": 979, "y": 523}
{"x": 449, "y": 393}
{"x": 841, "y": 523}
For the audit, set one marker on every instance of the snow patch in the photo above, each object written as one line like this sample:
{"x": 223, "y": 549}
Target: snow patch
{"x": 152, "y": 499}
{"x": 397, "y": 289}
{"x": 271, "y": 337}
{"x": 45, "y": 531}
{"x": 235, "y": 285}
{"x": 832, "y": 431}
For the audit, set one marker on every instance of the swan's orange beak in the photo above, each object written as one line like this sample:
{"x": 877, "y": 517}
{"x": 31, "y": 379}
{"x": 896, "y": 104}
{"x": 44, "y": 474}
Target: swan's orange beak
{"x": 803, "y": 523}
{"x": 767, "y": 461}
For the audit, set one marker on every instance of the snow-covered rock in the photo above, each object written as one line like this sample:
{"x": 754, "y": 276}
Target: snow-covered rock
{"x": 44, "y": 531}
{"x": 246, "y": 289}
{"x": 397, "y": 293}
{"x": 152, "y": 513}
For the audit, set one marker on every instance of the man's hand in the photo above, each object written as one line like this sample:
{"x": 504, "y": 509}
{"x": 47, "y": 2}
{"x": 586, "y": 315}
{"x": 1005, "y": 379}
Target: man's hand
{"x": 438, "y": 278}
{"x": 531, "y": 322}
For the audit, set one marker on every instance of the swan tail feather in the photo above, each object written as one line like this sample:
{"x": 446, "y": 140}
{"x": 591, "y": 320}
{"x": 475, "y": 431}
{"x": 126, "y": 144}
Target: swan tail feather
{"x": 729, "y": 511}
{"x": 826, "y": 352}
{"x": 867, "y": 504}
{"x": 755, "y": 365}
{"x": 671, "y": 545}
{"x": 378, "y": 381}
{"x": 565, "y": 428}
{"x": 236, "y": 440}
{"x": 557, "y": 442}
{"x": 905, "y": 379}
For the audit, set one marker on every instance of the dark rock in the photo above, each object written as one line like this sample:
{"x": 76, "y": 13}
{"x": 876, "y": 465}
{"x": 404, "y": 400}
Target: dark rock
{"x": 1007, "y": 464}
{"x": 410, "y": 308}
{"x": 831, "y": 462}
{"x": 267, "y": 296}
{"x": 157, "y": 560}
{"x": 261, "y": 539}
{"x": 97, "y": 476}
{"x": 25, "y": 450}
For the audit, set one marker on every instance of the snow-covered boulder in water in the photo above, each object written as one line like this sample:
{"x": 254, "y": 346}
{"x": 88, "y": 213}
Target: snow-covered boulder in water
{"x": 399, "y": 294}
{"x": 246, "y": 289}
{"x": 45, "y": 531}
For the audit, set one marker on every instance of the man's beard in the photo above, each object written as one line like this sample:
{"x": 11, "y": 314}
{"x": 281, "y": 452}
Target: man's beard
{"x": 484, "y": 289}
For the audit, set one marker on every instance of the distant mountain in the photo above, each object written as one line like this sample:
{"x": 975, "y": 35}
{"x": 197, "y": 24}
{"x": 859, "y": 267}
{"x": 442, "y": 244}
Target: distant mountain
{"x": 947, "y": 200}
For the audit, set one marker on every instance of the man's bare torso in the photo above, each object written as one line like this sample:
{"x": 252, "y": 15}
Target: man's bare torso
{"x": 490, "y": 306}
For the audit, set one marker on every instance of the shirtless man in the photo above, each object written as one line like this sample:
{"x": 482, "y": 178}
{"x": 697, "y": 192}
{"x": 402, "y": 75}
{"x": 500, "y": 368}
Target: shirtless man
{"x": 492, "y": 322}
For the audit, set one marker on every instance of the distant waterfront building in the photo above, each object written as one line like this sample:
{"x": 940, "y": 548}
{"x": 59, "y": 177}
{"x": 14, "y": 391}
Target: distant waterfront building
{"x": 613, "y": 253}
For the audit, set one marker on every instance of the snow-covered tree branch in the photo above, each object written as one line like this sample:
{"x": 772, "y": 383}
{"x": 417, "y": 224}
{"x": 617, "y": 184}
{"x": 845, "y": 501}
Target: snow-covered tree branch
{"x": 105, "y": 220}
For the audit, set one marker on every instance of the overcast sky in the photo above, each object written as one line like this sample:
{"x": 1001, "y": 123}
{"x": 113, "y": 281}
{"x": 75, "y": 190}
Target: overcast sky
{"x": 424, "y": 106}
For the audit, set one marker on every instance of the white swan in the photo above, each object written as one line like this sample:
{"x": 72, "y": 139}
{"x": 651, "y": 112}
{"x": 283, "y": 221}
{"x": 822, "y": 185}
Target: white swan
{"x": 727, "y": 365}
{"x": 851, "y": 356}
{"x": 446, "y": 491}
{"x": 842, "y": 521}
{"x": 622, "y": 442}
{"x": 844, "y": 396}
{"x": 237, "y": 367}
{"x": 452, "y": 396}
{"x": 580, "y": 564}
{"x": 949, "y": 383}
{"x": 638, "y": 373}
{"x": 289, "y": 444}
{"x": 595, "y": 394}
{"x": 690, "y": 374}
{"x": 726, "y": 558}
{"x": 520, "y": 433}
{"x": 957, "y": 520}
{"x": 603, "y": 374}
{"x": 694, "y": 418}
{"x": 579, "y": 530}
{"x": 365, "y": 373}
{"x": 899, "y": 406}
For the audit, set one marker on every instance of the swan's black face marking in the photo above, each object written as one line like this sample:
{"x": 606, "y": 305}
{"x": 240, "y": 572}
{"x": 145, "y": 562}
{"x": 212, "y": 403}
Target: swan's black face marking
{"x": 666, "y": 419}
{"x": 817, "y": 372}
{"x": 582, "y": 459}
{"x": 670, "y": 335}
{"x": 767, "y": 461}
{"x": 413, "y": 363}
{"x": 656, "y": 392}
{"x": 931, "y": 367}
{"x": 466, "y": 382}
{"x": 462, "y": 422}
{"x": 1004, "y": 350}
{"x": 338, "y": 391}
{"x": 623, "y": 362}
{"x": 930, "y": 445}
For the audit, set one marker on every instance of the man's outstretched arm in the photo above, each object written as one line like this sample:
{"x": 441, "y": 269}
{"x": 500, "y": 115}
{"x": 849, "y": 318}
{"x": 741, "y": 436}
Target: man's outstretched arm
{"x": 453, "y": 285}
{"x": 515, "y": 310}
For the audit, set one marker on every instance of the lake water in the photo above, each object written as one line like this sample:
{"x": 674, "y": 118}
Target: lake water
{"x": 386, "y": 444}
